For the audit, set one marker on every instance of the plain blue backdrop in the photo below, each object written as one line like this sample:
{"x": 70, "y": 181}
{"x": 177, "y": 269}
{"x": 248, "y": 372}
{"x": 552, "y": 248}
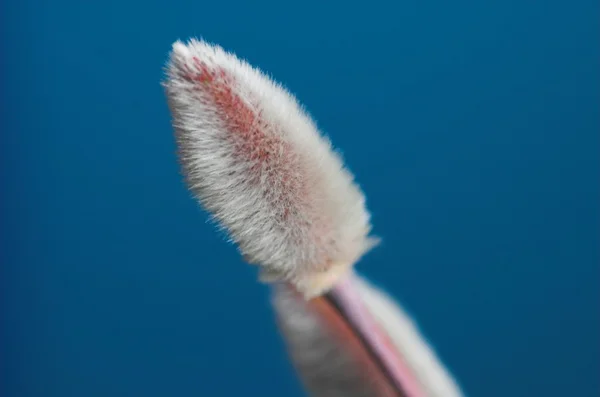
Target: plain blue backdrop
{"x": 473, "y": 127}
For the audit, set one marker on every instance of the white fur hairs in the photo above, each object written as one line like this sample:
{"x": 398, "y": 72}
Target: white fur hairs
{"x": 329, "y": 370}
{"x": 257, "y": 162}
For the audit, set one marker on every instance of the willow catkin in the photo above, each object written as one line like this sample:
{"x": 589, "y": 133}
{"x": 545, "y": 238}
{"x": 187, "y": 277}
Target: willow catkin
{"x": 257, "y": 162}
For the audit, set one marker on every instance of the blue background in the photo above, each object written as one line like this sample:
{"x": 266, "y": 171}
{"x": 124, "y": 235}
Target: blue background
{"x": 472, "y": 126}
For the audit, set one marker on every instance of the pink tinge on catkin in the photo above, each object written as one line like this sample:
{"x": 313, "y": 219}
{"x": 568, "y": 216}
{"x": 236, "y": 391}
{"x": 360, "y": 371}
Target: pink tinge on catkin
{"x": 271, "y": 157}
{"x": 257, "y": 162}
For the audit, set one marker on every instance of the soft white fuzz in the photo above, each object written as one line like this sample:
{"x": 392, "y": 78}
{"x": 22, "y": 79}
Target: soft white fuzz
{"x": 257, "y": 162}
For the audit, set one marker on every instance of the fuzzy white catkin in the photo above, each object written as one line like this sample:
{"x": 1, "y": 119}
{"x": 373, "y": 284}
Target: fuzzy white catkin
{"x": 258, "y": 163}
